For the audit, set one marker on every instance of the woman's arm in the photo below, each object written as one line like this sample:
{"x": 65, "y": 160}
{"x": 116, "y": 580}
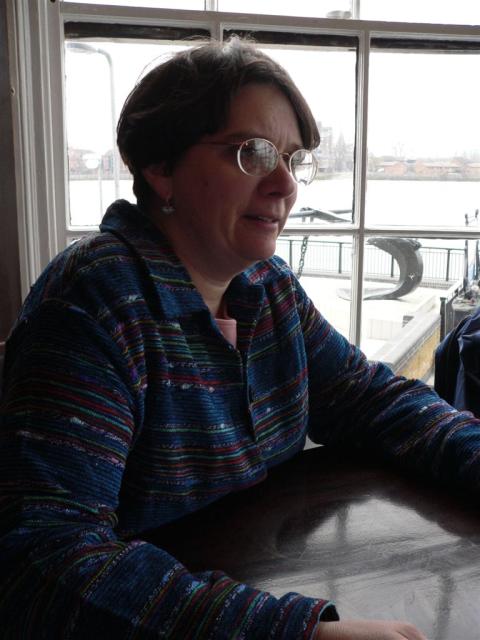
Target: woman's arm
{"x": 70, "y": 414}
{"x": 361, "y": 406}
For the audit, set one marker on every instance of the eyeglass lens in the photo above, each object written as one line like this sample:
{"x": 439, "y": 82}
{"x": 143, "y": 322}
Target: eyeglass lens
{"x": 259, "y": 157}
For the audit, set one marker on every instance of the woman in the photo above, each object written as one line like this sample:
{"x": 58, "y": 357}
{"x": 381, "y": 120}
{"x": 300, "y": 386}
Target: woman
{"x": 169, "y": 360}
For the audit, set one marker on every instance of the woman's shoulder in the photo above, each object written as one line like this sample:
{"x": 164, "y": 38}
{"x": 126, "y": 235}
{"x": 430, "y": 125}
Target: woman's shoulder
{"x": 92, "y": 253}
{"x": 89, "y": 273}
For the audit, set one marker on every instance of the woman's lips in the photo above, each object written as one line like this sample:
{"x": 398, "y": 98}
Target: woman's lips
{"x": 264, "y": 219}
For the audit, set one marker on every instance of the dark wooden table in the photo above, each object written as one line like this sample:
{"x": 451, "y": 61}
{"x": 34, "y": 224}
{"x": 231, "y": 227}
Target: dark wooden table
{"x": 378, "y": 544}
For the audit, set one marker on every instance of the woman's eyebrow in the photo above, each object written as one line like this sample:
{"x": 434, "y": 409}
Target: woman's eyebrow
{"x": 241, "y": 136}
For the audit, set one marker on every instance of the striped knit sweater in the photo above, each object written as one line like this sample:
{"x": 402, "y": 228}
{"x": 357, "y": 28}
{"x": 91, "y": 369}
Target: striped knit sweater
{"x": 124, "y": 408}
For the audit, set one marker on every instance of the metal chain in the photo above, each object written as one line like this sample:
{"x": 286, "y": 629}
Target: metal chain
{"x": 303, "y": 251}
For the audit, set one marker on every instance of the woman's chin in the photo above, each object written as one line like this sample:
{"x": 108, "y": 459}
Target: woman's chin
{"x": 263, "y": 253}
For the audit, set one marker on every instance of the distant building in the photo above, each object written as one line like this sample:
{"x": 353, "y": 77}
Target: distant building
{"x": 324, "y": 153}
{"x": 472, "y": 170}
{"x": 392, "y": 168}
{"x": 439, "y": 168}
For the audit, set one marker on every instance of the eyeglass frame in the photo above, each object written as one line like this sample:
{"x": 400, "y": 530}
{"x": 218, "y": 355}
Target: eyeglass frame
{"x": 240, "y": 145}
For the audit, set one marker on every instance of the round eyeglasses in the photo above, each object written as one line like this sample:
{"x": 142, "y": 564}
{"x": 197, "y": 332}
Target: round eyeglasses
{"x": 259, "y": 157}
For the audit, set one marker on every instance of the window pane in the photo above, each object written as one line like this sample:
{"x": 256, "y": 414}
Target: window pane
{"x": 315, "y": 71}
{"x": 423, "y": 138}
{"x": 99, "y": 76}
{"x": 155, "y": 4}
{"x": 324, "y": 266}
{"x": 439, "y": 11}
{"x": 403, "y": 318}
{"x": 311, "y": 8}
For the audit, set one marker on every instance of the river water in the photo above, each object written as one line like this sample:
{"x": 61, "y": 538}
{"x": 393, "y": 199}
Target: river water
{"x": 428, "y": 203}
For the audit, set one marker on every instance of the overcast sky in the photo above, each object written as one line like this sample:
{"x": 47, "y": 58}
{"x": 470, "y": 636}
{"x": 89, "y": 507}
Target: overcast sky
{"x": 422, "y": 104}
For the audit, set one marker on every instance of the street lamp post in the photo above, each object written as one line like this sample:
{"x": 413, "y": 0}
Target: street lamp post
{"x": 82, "y": 47}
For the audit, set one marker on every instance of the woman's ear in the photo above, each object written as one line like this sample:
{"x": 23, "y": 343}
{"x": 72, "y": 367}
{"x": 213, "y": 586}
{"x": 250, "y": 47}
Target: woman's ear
{"x": 159, "y": 180}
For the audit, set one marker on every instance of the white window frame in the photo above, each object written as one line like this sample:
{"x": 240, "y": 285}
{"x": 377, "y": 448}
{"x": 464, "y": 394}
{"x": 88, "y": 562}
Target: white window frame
{"x": 37, "y": 71}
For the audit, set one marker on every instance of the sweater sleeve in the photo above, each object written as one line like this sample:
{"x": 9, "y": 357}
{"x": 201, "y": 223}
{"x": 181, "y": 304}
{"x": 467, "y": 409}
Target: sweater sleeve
{"x": 361, "y": 406}
{"x": 69, "y": 416}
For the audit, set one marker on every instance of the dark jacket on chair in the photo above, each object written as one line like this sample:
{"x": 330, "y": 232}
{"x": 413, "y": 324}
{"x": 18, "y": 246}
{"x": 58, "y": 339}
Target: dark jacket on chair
{"x": 457, "y": 365}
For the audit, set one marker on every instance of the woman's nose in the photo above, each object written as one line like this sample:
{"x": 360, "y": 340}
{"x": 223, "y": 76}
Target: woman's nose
{"x": 280, "y": 182}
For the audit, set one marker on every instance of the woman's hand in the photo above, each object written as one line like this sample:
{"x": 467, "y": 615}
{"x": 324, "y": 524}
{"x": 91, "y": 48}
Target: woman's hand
{"x": 367, "y": 630}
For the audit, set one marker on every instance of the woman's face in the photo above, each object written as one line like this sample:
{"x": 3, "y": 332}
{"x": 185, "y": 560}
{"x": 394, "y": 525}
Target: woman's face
{"x": 225, "y": 220}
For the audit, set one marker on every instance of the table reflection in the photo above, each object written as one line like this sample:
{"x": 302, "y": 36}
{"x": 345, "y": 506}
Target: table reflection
{"x": 379, "y": 545}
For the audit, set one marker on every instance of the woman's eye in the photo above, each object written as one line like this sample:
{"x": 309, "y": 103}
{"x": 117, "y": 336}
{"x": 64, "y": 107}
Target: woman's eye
{"x": 249, "y": 152}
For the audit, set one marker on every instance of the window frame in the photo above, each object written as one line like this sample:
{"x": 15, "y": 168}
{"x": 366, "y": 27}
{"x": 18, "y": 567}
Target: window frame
{"x": 37, "y": 70}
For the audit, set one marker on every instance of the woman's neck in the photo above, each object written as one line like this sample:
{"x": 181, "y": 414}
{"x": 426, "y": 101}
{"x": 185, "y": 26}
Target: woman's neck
{"x": 213, "y": 294}
{"x": 206, "y": 275}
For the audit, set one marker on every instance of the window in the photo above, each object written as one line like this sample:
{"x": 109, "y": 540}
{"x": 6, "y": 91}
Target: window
{"x": 435, "y": 11}
{"x": 154, "y": 4}
{"x": 97, "y": 175}
{"x": 385, "y": 239}
{"x": 311, "y": 8}
{"x": 423, "y": 130}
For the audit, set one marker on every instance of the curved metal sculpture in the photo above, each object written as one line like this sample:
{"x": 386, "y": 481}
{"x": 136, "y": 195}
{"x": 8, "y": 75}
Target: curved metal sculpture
{"x": 406, "y": 252}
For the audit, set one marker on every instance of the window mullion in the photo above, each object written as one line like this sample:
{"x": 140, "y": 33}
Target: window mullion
{"x": 360, "y": 181}
{"x": 356, "y": 8}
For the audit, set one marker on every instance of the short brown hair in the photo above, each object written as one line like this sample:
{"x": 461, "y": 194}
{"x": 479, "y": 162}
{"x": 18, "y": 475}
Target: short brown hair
{"x": 189, "y": 96}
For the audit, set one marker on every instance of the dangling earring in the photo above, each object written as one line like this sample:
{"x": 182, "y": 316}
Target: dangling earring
{"x": 167, "y": 208}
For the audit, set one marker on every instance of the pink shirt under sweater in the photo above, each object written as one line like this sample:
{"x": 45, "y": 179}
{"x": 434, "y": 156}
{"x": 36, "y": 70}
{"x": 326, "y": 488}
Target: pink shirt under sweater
{"x": 228, "y": 327}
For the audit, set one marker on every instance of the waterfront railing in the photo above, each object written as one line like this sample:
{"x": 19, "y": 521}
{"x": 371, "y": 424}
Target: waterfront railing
{"x": 333, "y": 258}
